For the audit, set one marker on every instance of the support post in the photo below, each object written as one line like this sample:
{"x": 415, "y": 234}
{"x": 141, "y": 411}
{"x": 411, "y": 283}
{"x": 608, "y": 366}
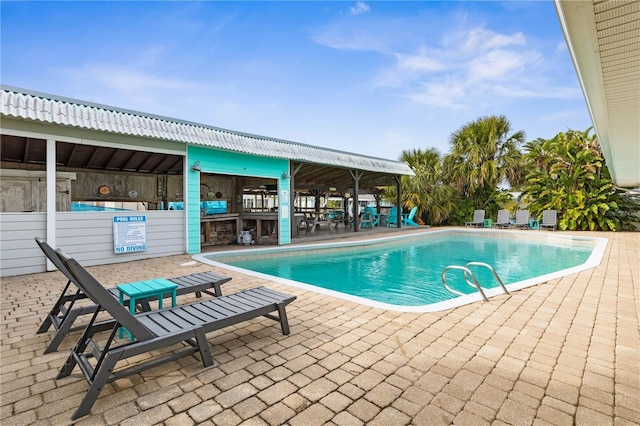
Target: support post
{"x": 51, "y": 197}
{"x": 356, "y": 175}
{"x": 399, "y": 200}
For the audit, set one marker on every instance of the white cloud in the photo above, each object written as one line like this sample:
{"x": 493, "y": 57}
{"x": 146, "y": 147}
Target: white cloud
{"x": 131, "y": 88}
{"x": 479, "y": 39}
{"x": 561, "y": 47}
{"x": 421, "y": 62}
{"x": 124, "y": 79}
{"x": 499, "y": 63}
{"x": 359, "y": 8}
{"x": 409, "y": 67}
{"x": 472, "y": 68}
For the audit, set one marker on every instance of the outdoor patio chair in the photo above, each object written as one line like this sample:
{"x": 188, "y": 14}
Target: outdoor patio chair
{"x": 64, "y": 312}
{"x": 549, "y": 219}
{"x": 375, "y": 216}
{"x": 522, "y": 219}
{"x": 392, "y": 218}
{"x": 365, "y": 220}
{"x": 407, "y": 219}
{"x": 503, "y": 219}
{"x": 153, "y": 331}
{"x": 478, "y": 219}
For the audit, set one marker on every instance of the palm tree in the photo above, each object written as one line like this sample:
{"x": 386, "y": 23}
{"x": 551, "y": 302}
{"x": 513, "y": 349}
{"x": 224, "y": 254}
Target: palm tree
{"x": 484, "y": 155}
{"x": 426, "y": 190}
{"x": 537, "y": 155}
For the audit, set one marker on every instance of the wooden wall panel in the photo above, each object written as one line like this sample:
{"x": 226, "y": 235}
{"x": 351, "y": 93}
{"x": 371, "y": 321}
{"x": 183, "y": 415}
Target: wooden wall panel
{"x": 29, "y": 194}
{"x": 85, "y": 188}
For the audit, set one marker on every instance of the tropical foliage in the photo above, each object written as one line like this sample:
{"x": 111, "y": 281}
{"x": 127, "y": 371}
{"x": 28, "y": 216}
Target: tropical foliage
{"x": 567, "y": 173}
{"x": 435, "y": 199}
{"x": 484, "y": 154}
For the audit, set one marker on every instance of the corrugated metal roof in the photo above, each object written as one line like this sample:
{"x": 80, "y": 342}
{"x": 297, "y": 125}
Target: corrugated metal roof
{"x": 29, "y": 105}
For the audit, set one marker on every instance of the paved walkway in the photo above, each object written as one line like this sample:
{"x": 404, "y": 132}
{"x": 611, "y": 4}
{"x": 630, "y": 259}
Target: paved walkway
{"x": 561, "y": 353}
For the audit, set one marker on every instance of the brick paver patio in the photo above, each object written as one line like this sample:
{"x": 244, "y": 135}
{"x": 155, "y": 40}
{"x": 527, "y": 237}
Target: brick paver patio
{"x": 560, "y": 353}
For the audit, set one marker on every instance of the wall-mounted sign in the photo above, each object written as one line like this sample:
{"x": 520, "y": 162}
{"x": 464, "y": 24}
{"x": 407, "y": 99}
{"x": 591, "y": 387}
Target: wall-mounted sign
{"x": 129, "y": 234}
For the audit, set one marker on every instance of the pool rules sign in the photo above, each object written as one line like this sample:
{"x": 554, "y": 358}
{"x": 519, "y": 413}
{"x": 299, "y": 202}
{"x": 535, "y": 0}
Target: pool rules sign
{"x": 129, "y": 234}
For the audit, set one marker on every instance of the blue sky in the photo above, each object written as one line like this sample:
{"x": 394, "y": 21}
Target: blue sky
{"x": 373, "y": 78}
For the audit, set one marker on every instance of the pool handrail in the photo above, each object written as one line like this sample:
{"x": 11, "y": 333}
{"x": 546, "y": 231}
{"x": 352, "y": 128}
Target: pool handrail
{"x": 470, "y": 278}
{"x": 466, "y": 274}
{"x": 493, "y": 271}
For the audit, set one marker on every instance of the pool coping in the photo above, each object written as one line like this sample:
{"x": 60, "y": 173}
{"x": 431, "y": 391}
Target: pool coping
{"x": 595, "y": 258}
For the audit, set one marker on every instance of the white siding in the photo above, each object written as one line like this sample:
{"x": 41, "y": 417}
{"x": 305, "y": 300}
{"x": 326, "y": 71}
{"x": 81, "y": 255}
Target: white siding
{"x": 19, "y": 254}
{"x": 86, "y": 236}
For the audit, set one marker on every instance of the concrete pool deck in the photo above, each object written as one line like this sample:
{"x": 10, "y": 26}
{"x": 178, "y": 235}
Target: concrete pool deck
{"x": 563, "y": 352}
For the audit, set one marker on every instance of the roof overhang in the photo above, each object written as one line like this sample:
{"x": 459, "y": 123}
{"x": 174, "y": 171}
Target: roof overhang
{"x": 21, "y": 104}
{"x": 603, "y": 38}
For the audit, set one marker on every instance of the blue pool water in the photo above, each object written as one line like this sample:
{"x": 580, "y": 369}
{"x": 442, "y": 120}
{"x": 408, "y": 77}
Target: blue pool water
{"x": 84, "y": 207}
{"x": 407, "y": 272}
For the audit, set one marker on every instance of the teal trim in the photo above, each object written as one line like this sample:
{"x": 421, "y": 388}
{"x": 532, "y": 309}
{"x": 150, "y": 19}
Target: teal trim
{"x": 239, "y": 164}
{"x": 192, "y": 208}
{"x": 235, "y": 163}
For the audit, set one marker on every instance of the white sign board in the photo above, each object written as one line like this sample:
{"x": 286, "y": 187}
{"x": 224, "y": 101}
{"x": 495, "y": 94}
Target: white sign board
{"x": 129, "y": 234}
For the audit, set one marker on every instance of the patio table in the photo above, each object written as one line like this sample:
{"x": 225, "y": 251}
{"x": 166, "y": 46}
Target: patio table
{"x": 145, "y": 290}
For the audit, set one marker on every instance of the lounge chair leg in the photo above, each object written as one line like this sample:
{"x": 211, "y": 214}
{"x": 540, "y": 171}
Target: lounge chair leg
{"x": 63, "y": 330}
{"x": 64, "y": 298}
{"x": 203, "y": 345}
{"x": 284, "y": 322}
{"x": 97, "y": 384}
{"x": 79, "y": 348}
{"x": 217, "y": 289}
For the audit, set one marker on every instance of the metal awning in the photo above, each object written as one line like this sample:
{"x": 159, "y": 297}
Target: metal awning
{"x": 320, "y": 164}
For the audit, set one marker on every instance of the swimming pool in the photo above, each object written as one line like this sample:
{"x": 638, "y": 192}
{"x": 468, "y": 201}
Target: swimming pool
{"x": 404, "y": 272}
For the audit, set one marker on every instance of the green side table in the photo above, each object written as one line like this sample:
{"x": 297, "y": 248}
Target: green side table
{"x": 139, "y": 290}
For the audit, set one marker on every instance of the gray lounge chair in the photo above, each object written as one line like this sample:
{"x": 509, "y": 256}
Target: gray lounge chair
{"x": 549, "y": 219}
{"x": 156, "y": 330}
{"x": 478, "y": 219}
{"x": 522, "y": 219}
{"x": 64, "y": 312}
{"x": 503, "y": 219}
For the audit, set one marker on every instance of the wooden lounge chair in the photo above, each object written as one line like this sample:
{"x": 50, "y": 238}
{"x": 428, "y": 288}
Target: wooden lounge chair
{"x": 503, "y": 219}
{"x": 522, "y": 219}
{"x": 549, "y": 219}
{"x": 153, "y": 331}
{"x": 64, "y": 312}
{"x": 478, "y": 219}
